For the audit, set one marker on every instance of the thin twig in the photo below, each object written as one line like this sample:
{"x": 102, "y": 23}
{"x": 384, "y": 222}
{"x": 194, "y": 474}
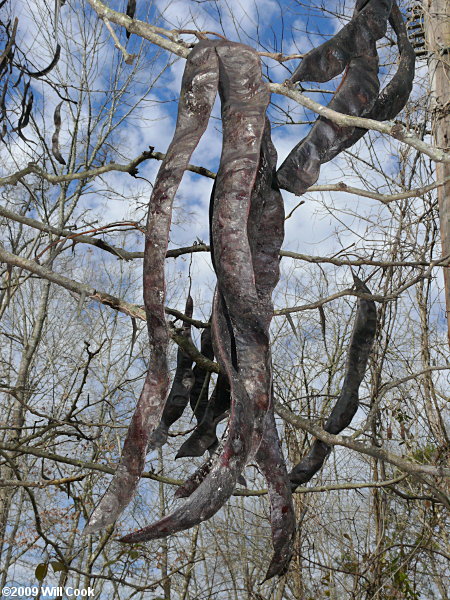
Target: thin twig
{"x": 40, "y": 484}
{"x": 176, "y": 46}
{"x": 129, "y": 58}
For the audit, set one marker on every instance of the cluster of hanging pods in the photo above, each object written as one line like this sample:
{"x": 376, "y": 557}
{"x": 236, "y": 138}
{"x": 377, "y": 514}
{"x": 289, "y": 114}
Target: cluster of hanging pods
{"x": 246, "y": 233}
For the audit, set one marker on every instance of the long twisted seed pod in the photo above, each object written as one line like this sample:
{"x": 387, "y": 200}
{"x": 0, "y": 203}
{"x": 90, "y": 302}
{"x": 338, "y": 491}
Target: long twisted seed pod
{"x": 357, "y": 38}
{"x": 50, "y": 67}
{"x": 394, "y": 96}
{"x": 199, "y": 394}
{"x": 180, "y": 391}
{"x": 244, "y": 101}
{"x": 282, "y": 516}
{"x": 204, "y": 436}
{"x": 199, "y": 90}
{"x": 55, "y": 138}
{"x": 266, "y": 234}
{"x": 352, "y": 47}
{"x": 347, "y": 404}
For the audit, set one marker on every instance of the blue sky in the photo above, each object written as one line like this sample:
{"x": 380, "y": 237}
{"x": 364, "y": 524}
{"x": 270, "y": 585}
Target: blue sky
{"x": 323, "y": 225}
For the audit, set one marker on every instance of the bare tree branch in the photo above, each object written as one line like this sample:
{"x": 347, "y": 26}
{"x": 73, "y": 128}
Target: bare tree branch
{"x": 339, "y": 440}
{"x": 155, "y": 35}
{"x": 40, "y": 484}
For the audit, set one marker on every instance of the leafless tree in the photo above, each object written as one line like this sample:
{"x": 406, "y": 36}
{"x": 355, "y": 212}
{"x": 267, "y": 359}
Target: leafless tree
{"x": 374, "y": 522}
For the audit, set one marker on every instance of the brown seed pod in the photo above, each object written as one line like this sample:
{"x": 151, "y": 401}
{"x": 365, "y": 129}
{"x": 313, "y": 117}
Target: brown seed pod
{"x": 204, "y": 436}
{"x": 361, "y": 341}
{"x": 353, "y": 48}
{"x": 131, "y": 10}
{"x": 180, "y": 391}
{"x": 55, "y": 138}
{"x": 51, "y": 66}
{"x": 199, "y": 88}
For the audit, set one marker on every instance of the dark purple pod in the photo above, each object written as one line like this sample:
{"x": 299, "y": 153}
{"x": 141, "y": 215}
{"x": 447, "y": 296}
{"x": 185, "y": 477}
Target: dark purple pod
{"x": 199, "y": 89}
{"x": 131, "y": 9}
{"x": 282, "y": 515}
{"x": 353, "y": 47}
{"x": 55, "y": 137}
{"x": 265, "y": 226}
{"x": 204, "y": 436}
{"x": 50, "y": 67}
{"x": 355, "y": 39}
{"x": 266, "y": 233}
{"x": 355, "y": 96}
{"x": 361, "y": 342}
{"x": 199, "y": 393}
{"x": 392, "y": 98}
{"x": 182, "y": 384}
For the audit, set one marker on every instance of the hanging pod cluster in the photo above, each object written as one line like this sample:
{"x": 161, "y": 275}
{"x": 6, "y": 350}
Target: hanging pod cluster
{"x": 246, "y": 230}
{"x": 15, "y": 79}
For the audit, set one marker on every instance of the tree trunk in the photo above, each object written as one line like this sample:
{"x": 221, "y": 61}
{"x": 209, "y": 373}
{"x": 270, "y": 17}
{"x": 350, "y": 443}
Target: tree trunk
{"x": 18, "y": 412}
{"x": 437, "y": 35}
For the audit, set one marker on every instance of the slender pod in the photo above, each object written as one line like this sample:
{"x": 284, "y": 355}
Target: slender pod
{"x": 270, "y": 460}
{"x": 244, "y": 99}
{"x": 199, "y": 89}
{"x": 204, "y": 436}
{"x": 361, "y": 341}
{"x": 266, "y": 225}
{"x": 55, "y": 138}
{"x": 368, "y": 24}
{"x": 199, "y": 394}
{"x": 353, "y": 47}
{"x": 179, "y": 393}
{"x": 3, "y": 109}
{"x": 393, "y": 97}
{"x": 50, "y": 67}
{"x": 26, "y": 112}
{"x": 131, "y": 9}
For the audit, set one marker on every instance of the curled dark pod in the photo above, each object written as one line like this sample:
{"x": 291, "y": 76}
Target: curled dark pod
{"x": 357, "y": 38}
{"x": 393, "y": 97}
{"x": 50, "y": 67}
{"x": 199, "y": 394}
{"x": 179, "y": 394}
{"x": 131, "y": 10}
{"x": 344, "y": 410}
{"x": 204, "y": 436}
{"x": 199, "y": 89}
{"x": 55, "y": 137}
{"x": 353, "y": 49}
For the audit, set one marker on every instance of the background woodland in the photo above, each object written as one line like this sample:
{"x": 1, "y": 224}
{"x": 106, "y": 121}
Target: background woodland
{"x": 374, "y": 523}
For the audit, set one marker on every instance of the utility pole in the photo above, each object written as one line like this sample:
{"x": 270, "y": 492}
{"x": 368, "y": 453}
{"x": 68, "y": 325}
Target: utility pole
{"x": 436, "y": 15}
